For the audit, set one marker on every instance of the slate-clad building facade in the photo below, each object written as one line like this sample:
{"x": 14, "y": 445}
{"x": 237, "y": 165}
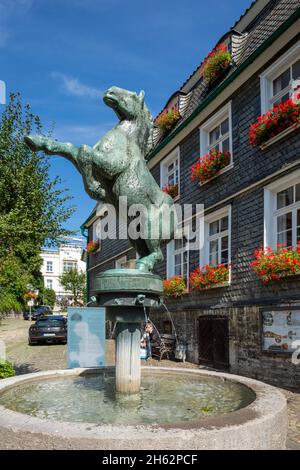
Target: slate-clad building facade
{"x": 253, "y": 202}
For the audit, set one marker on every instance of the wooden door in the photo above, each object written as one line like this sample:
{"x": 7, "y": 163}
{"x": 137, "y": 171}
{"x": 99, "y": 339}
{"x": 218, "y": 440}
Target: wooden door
{"x": 214, "y": 341}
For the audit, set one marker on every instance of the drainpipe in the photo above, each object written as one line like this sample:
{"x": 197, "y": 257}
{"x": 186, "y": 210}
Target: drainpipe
{"x": 85, "y": 235}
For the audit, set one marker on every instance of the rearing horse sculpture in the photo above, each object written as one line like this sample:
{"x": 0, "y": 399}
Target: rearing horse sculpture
{"x": 116, "y": 167}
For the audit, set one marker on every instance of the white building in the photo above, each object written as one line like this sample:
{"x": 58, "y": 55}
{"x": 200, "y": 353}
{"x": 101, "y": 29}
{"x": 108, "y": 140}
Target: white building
{"x": 57, "y": 261}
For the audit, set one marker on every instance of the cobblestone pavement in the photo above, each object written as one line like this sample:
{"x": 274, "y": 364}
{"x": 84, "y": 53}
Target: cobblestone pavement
{"x": 37, "y": 358}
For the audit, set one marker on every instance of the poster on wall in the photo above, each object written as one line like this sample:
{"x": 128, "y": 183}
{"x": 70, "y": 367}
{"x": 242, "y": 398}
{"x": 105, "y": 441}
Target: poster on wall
{"x": 280, "y": 329}
{"x": 86, "y": 337}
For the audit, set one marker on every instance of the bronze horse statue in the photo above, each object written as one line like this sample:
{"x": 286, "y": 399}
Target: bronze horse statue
{"x": 115, "y": 167}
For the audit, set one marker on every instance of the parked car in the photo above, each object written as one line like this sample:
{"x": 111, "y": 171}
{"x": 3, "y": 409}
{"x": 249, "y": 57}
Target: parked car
{"x": 37, "y": 312}
{"x": 48, "y": 329}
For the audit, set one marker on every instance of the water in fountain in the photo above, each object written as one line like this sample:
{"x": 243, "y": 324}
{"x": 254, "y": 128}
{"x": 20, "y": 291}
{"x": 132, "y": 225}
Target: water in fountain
{"x": 166, "y": 398}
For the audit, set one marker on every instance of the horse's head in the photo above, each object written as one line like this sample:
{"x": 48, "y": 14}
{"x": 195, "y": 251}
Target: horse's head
{"x": 129, "y": 106}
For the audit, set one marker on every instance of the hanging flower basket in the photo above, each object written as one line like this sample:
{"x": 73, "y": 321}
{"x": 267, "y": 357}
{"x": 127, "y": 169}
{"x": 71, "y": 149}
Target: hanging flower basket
{"x": 216, "y": 63}
{"x": 92, "y": 246}
{"x": 175, "y": 287}
{"x": 171, "y": 189}
{"x": 210, "y": 165}
{"x": 269, "y": 125}
{"x": 271, "y": 265}
{"x": 168, "y": 118}
{"x": 30, "y": 295}
{"x": 209, "y": 276}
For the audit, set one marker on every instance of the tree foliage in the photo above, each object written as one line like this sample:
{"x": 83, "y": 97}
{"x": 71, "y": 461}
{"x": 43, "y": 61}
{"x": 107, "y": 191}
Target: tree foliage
{"x": 48, "y": 297}
{"x": 33, "y": 207}
{"x": 74, "y": 281}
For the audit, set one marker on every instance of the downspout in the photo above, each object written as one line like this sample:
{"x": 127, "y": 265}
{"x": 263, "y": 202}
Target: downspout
{"x": 83, "y": 233}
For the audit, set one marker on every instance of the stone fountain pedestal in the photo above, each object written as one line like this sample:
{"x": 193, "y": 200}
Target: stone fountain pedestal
{"x": 127, "y": 295}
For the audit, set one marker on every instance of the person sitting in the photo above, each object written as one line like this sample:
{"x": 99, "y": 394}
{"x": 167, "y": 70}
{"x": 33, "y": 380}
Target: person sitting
{"x": 146, "y": 340}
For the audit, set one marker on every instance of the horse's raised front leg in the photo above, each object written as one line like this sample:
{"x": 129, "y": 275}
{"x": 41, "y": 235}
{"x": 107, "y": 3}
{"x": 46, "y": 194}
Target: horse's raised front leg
{"x": 81, "y": 157}
{"x": 53, "y": 147}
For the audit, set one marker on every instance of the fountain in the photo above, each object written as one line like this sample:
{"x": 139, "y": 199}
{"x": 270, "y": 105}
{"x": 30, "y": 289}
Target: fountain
{"x": 115, "y": 170}
{"x": 170, "y": 408}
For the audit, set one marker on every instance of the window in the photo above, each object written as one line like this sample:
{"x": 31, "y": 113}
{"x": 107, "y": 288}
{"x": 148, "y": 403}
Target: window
{"x": 49, "y": 266}
{"x": 178, "y": 258}
{"x": 169, "y": 170}
{"x": 217, "y": 234}
{"x": 218, "y": 241}
{"x": 121, "y": 262}
{"x": 219, "y": 137}
{"x": 68, "y": 265}
{"x": 282, "y": 212}
{"x": 216, "y": 133}
{"x": 49, "y": 283}
{"x": 277, "y": 80}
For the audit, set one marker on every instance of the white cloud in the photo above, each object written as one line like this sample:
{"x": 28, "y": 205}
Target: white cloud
{"x": 81, "y": 134}
{"x": 74, "y": 87}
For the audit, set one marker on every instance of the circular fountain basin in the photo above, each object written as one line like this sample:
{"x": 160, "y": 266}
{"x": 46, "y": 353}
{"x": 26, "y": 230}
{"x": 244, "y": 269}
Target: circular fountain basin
{"x": 176, "y": 409}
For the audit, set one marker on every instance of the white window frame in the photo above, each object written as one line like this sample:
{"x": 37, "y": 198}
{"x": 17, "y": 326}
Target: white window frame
{"x": 49, "y": 281}
{"x": 120, "y": 261}
{"x": 95, "y": 234}
{"x": 47, "y": 266}
{"x": 208, "y": 219}
{"x": 272, "y": 72}
{"x": 270, "y": 208}
{"x": 212, "y": 123}
{"x": 174, "y": 155}
{"x": 171, "y": 252}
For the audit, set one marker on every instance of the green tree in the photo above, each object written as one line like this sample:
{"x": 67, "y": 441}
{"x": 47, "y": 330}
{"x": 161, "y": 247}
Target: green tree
{"x": 48, "y": 297}
{"x": 75, "y": 282}
{"x": 33, "y": 207}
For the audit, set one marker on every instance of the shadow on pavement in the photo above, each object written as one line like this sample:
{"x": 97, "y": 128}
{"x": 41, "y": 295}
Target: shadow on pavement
{"x": 25, "y": 368}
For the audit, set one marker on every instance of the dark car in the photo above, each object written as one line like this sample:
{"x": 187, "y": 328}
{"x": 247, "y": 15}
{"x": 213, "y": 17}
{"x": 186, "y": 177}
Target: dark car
{"x": 48, "y": 329}
{"x": 37, "y": 312}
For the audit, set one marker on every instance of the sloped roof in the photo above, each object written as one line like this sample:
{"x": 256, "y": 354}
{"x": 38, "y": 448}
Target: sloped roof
{"x": 273, "y": 15}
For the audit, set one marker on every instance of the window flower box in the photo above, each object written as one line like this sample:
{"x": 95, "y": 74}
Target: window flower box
{"x": 209, "y": 166}
{"x": 280, "y": 121}
{"x": 93, "y": 246}
{"x": 216, "y": 63}
{"x": 271, "y": 265}
{"x": 175, "y": 287}
{"x": 279, "y": 136}
{"x": 168, "y": 118}
{"x": 209, "y": 277}
{"x": 171, "y": 189}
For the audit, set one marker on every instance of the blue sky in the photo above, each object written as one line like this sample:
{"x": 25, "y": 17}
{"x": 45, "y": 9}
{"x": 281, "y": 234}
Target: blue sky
{"x": 63, "y": 54}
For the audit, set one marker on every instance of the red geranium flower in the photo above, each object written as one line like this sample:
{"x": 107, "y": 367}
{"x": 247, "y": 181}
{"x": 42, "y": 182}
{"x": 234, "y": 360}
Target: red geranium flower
{"x": 208, "y": 167}
{"x": 270, "y": 124}
{"x": 272, "y": 265}
{"x": 175, "y": 287}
